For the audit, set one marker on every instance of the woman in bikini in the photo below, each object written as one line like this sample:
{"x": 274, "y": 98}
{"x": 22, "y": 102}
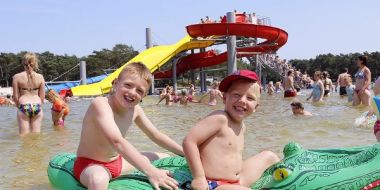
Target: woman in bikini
{"x": 362, "y": 94}
{"x": 29, "y": 94}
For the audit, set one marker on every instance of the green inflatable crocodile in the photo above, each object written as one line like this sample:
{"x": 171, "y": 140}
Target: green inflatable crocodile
{"x": 335, "y": 169}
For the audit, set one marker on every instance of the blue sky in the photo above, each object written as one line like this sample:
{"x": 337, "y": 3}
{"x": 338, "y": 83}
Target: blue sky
{"x": 80, "y": 27}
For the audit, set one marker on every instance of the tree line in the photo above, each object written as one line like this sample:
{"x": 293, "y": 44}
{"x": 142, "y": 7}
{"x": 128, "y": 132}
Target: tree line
{"x": 335, "y": 64}
{"x": 52, "y": 66}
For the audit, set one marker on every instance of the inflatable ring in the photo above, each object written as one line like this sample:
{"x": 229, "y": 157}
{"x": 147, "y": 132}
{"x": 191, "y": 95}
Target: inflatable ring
{"x": 61, "y": 176}
{"x": 345, "y": 168}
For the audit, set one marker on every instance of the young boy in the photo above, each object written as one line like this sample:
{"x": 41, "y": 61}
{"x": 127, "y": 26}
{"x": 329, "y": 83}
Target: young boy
{"x": 103, "y": 151}
{"x": 298, "y": 109}
{"x": 214, "y": 93}
{"x": 214, "y": 147}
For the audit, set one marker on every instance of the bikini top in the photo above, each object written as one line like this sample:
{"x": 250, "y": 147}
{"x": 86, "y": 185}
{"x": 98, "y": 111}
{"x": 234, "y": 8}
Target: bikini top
{"x": 360, "y": 74}
{"x": 29, "y": 89}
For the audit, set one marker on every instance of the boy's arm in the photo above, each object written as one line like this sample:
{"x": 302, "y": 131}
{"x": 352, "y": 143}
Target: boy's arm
{"x": 220, "y": 94}
{"x": 202, "y": 131}
{"x": 163, "y": 97}
{"x": 154, "y": 134}
{"x": 103, "y": 116}
{"x": 204, "y": 95}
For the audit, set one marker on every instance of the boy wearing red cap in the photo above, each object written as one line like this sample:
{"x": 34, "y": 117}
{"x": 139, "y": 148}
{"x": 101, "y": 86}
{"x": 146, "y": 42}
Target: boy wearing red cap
{"x": 214, "y": 147}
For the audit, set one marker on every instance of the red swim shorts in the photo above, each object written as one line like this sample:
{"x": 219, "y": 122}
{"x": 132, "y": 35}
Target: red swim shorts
{"x": 213, "y": 184}
{"x": 376, "y": 127}
{"x": 81, "y": 163}
{"x": 290, "y": 93}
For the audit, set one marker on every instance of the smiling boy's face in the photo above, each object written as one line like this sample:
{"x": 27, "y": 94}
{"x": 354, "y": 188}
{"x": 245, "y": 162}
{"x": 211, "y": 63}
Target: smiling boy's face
{"x": 240, "y": 99}
{"x": 130, "y": 89}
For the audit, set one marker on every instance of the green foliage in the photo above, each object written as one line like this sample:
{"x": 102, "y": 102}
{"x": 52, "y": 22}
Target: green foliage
{"x": 52, "y": 66}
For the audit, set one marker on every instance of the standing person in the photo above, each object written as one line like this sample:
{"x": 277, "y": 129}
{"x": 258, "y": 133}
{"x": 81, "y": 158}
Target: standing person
{"x": 362, "y": 94}
{"x": 168, "y": 96}
{"x": 318, "y": 89}
{"x": 191, "y": 92}
{"x": 327, "y": 83}
{"x": 213, "y": 93}
{"x": 103, "y": 151}
{"x": 29, "y": 94}
{"x": 342, "y": 82}
{"x": 290, "y": 91}
{"x": 277, "y": 87}
{"x": 214, "y": 147}
{"x": 270, "y": 88}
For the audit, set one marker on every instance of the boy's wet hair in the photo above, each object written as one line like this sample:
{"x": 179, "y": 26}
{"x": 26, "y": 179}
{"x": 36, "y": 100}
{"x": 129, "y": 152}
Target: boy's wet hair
{"x": 297, "y": 104}
{"x": 184, "y": 92}
{"x": 139, "y": 69}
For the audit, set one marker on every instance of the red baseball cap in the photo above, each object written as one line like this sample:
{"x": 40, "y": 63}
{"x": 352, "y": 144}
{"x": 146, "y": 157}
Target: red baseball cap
{"x": 239, "y": 74}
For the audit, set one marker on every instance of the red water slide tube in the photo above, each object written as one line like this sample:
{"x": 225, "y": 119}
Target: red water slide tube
{"x": 274, "y": 39}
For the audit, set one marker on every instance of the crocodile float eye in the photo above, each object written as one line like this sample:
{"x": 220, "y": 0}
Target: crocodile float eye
{"x": 281, "y": 173}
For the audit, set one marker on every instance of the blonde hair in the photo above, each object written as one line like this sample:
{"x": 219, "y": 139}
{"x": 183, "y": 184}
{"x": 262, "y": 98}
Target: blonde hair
{"x": 139, "y": 69}
{"x": 32, "y": 59}
{"x": 257, "y": 91}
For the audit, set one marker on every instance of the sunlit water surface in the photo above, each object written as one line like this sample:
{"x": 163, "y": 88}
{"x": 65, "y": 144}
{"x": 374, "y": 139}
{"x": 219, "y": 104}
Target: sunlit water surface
{"x": 24, "y": 160}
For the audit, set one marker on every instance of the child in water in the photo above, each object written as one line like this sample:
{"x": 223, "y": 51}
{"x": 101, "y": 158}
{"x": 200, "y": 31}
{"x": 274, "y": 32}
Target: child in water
{"x": 60, "y": 109}
{"x": 103, "y": 152}
{"x": 184, "y": 99}
{"x": 270, "y": 88}
{"x": 213, "y": 93}
{"x": 318, "y": 88}
{"x": 298, "y": 109}
{"x": 214, "y": 147}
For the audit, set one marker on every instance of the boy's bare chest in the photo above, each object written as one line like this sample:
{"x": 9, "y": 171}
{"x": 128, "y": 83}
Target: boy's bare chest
{"x": 124, "y": 123}
{"x": 232, "y": 141}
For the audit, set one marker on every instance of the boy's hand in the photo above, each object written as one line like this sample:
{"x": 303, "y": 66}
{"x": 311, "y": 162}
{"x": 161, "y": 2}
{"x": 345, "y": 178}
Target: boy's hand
{"x": 199, "y": 184}
{"x": 161, "y": 178}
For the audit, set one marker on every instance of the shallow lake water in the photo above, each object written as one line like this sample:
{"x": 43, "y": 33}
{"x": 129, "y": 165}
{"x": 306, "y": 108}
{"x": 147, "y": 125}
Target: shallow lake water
{"x": 24, "y": 160}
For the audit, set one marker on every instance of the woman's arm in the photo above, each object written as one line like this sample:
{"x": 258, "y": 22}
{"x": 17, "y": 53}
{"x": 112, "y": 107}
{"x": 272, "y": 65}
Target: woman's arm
{"x": 41, "y": 90}
{"x": 16, "y": 92}
{"x": 367, "y": 79}
{"x": 322, "y": 88}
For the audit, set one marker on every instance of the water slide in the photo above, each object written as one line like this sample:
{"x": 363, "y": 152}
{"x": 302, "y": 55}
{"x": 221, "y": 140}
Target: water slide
{"x": 157, "y": 56}
{"x": 274, "y": 39}
{"x": 153, "y": 58}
